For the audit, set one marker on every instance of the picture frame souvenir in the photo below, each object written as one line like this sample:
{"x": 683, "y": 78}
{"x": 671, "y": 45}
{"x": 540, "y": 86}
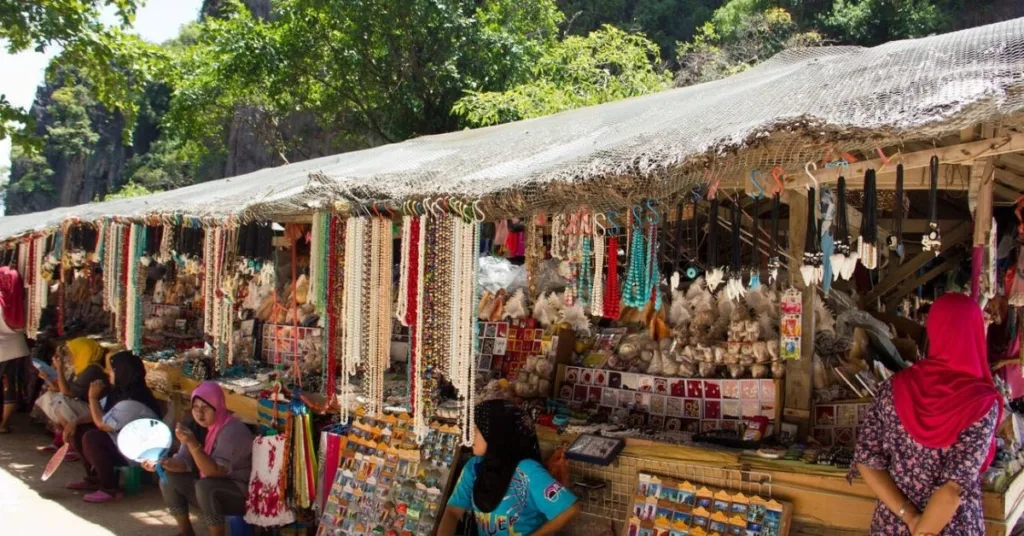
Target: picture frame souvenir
{"x": 595, "y": 449}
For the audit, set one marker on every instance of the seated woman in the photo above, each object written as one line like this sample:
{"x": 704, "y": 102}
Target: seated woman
{"x": 95, "y": 435}
{"x": 504, "y": 485}
{"x": 223, "y": 459}
{"x": 66, "y": 400}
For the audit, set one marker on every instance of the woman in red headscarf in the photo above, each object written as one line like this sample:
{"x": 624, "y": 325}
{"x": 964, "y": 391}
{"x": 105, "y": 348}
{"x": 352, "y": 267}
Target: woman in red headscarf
{"x": 929, "y": 434}
{"x": 13, "y": 346}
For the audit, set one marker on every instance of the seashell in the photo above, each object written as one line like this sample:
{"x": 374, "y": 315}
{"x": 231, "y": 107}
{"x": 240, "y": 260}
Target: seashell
{"x": 759, "y": 371}
{"x": 736, "y": 371}
{"x": 778, "y": 369}
{"x": 707, "y": 370}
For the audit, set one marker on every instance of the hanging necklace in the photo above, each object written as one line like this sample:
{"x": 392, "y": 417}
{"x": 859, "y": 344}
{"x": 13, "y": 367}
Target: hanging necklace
{"x": 734, "y": 289}
{"x": 597, "y": 284}
{"x": 756, "y": 257}
{"x": 715, "y": 274}
{"x": 612, "y": 296}
{"x": 811, "y": 255}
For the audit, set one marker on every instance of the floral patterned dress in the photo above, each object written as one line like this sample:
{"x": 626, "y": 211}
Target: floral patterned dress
{"x": 884, "y": 444}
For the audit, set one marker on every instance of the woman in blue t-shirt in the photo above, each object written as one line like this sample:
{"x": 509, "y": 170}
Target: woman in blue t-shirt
{"x": 504, "y": 484}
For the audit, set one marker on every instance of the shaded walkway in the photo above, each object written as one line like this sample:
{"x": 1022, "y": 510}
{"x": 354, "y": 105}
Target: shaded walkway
{"x": 30, "y": 506}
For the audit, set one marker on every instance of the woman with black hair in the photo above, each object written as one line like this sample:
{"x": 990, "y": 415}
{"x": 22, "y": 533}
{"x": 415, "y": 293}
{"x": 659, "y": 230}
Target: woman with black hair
{"x": 95, "y": 435}
{"x": 504, "y": 484}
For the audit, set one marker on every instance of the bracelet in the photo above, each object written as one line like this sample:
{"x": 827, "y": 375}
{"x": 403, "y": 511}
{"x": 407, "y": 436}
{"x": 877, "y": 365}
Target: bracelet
{"x": 903, "y": 511}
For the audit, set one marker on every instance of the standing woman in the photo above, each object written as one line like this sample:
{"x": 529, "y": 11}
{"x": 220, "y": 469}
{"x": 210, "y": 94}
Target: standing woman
{"x": 66, "y": 400}
{"x": 95, "y": 434}
{"x": 13, "y": 346}
{"x": 222, "y": 458}
{"x": 504, "y": 485}
{"x": 930, "y": 432}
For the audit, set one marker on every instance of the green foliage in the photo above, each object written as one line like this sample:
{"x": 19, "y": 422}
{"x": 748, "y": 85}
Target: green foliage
{"x": 167, "y": 165}
{"x": 371, "y": 71}
{"x": 607, "y": 65}
{"x": 872, "y": 22}
{"x": 34, "y": 173}
{"x": 128, "y": 190}
{"x": 738, "y": 40}
{"x": 665, "y": 22}
{"x": 114, "y": 62}
{"x": 70, "y": 133}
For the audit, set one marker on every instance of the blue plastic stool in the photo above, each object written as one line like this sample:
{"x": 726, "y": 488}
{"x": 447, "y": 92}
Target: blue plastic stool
{"x": 237, "y": 526}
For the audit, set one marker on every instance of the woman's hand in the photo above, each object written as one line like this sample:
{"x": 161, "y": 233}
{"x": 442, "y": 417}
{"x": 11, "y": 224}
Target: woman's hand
{"x": 186, "y": 437}
{"x": 69, "y": 432}
{"x": 96, "y": 389}
{"x": 912, "y": 519}
{"x": 150, "y": 465}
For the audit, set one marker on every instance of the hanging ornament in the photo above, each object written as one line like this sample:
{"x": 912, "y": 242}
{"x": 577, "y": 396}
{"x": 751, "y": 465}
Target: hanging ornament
{"x": 734, "y": 289}
{"x": 755, "y": 270}
{"x": 612, "y": 290}
{"x": 790, "y": 324}
{"x": 636, "y": 291}
{"x": 828, "y": 270}
{"x": 843, "y": 242}
{"x": 867, "y": 242}
{"x": 715, "y": 274}
{"x": 811, "y": 268}
{"x": 896, "y": 238}
{"x": 773, "y": 262}
{"x": 933, "y": 240}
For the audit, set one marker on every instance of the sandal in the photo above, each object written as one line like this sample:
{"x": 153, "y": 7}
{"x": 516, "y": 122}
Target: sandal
{"x": 100, "y": 496}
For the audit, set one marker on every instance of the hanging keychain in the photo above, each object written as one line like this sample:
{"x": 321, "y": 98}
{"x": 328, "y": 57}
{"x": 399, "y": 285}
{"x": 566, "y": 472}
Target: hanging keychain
{"x": 734, "y": 288}
{"x": 896, "y": 238}
{"x": 933, "y": 240}
{"x": 867, "y": 243}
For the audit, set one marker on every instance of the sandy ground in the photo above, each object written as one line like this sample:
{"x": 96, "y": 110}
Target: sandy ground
{"x": 30, "y": 506}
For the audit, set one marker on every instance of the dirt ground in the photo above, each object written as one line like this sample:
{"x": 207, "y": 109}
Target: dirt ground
{"x": 30, "y": 506}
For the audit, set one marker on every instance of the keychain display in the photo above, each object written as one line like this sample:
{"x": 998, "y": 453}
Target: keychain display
{"x": 867, "y": 243}
{"x": 790, "y": 323}
{"x": 387, "y": 484}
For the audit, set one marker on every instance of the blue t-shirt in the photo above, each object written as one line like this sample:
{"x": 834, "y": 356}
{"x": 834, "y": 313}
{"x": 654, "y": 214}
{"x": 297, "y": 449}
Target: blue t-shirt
{"x": 533, "y": 498}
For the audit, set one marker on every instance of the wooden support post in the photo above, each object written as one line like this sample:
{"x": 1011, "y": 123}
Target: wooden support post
{"x": 799, "y": 381}
{"x": 907, "y": 269}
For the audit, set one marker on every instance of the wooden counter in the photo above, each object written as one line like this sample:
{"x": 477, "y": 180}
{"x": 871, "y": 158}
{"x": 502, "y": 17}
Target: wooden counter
{"x": 823, "y": 502}
{"x": 244, "y": 407}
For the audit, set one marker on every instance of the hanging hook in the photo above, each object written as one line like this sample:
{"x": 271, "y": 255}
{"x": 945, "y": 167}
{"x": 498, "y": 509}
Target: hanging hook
{"x": 480, "y": 216}
{"x": 613, "y": 223}
{"x": 655, "y": 217}
{"x": 807, "y": 169}
{"x": 777, "y": 175}
{"x": 600, "y": 229}
{"x": 636, "y": 216}
{"x": 754, "y": 174}
{"x": 883, "y": 158}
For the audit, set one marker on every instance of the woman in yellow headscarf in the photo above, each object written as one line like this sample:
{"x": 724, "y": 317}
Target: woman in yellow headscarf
{"x": 66, "y": 399}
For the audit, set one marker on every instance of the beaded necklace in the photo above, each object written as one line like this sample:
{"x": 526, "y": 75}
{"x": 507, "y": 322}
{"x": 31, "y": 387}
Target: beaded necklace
{"x": 352, "y": 298}
{"x": 534, "y": 254}
{"x": 136, "y": 284}
{"x": 637, "y": 292}
{"x": 612, "y": 292}
{"x": 597, "y": 284}
{"x": 335, "y": 288}
{"x": 654, "y": 269}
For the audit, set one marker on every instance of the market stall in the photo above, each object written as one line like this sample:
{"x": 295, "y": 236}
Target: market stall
{"x": 693, "y": 291}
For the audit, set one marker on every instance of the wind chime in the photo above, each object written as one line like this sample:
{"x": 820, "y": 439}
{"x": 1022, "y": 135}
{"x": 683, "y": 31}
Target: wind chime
{"x": 896, "y": 238}
{"x": 867, "y": 243}
{"x": 774, "y": 262}
{"x": 715, "y": 274}
{"x": 933, "y": 240}
{"x": 811, "y": 269}
{"x": 734, "y": 289}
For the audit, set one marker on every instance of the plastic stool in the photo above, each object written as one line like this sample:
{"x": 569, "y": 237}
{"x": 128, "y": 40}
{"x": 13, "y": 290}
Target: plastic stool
{"x": 237, "y": 526}
{"x": 132, "y": 479}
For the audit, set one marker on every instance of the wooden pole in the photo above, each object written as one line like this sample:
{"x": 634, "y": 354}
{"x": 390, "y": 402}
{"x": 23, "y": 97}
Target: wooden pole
{"x": 799, "y": 381}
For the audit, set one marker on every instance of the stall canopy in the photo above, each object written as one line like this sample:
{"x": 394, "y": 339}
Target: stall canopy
{"x": 784, "y": 111}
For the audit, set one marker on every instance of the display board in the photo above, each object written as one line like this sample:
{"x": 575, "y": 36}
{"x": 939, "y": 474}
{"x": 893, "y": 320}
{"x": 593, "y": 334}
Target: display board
{"x": 386, "y": 484}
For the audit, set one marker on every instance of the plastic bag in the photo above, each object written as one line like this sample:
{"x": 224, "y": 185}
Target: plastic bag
{"x": 496, "y": 274}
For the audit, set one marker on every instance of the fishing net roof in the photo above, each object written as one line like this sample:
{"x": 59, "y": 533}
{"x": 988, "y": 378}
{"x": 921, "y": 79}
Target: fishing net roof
{"x": 784, "y": 111}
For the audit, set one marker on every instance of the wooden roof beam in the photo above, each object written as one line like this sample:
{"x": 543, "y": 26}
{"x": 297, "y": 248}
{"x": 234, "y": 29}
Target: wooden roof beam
{"x": 950, "y": 262}
{"x": 962, "y": 153}
{"x": 900, "y": 274}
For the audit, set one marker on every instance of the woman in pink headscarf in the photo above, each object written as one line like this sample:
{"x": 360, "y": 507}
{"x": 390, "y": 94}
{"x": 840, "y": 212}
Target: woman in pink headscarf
{"x": 211, "y": 469}
{"x": 930, "y": 432}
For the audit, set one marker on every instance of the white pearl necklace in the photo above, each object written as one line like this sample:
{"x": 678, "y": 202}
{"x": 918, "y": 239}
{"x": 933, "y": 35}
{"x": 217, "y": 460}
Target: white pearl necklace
{"x": 420, "y": 425}
{"x": 351, "y": 309}
{"x": 597, "y": 283}
{"x": 402, "y": 303}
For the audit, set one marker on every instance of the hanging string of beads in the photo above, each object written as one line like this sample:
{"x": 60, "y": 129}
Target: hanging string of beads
{"x": 734, "y": 289}
{"x": 534, "y": 252}
{"x": 933, "y": 240}
{"x": 653, "y": 270}
{"x": 636, "y": 292}
{"x": 811, "y": 257}
{"x": 333, "y": 312}
{"x": 352, "y": 307}
{"x": 597, "y": 280}
{"x": 715, "y": 274}
{"x": 372, "y": 382}
{"x": 135, "y": 288}
{"x": 756, "y": 258}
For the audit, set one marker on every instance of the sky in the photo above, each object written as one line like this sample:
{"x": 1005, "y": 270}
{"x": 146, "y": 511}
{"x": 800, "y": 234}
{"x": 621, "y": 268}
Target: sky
{"x": 20, "y": 74}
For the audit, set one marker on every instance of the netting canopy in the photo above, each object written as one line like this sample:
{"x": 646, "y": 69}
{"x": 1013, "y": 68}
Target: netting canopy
{"x": 783, "y": 111}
